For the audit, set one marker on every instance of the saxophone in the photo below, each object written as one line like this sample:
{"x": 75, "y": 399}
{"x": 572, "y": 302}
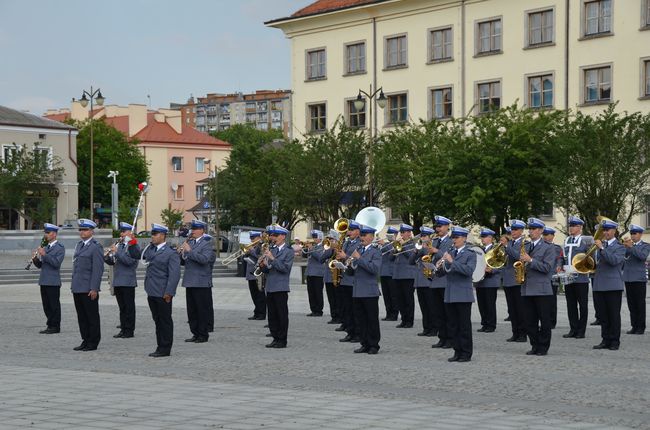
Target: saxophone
{"x": 520, "y": 266}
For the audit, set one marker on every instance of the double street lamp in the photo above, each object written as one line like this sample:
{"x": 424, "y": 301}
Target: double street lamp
{"x": 97, "y": 96}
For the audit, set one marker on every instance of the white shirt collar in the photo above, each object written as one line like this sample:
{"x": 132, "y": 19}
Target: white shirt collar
{"x": 460, "y": 249}
{"x": 280, "y": 246}
{"x": 610, "y": 241}
{"x": 537, "y": 241}
{"x": 86, "y": 241}
{"x": 52, "y": 243}
{"x": 160, "y": 246}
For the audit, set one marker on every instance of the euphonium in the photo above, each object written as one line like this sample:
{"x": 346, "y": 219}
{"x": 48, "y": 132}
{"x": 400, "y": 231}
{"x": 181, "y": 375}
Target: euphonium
{"x": 496, "y": 257}
{"x": 584, "y": 262}
{"x": 519, "y": 266}
{"x": 425, "y": 270}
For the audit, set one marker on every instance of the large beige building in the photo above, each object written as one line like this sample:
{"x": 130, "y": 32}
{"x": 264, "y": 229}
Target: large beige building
{"x": 444, "y": 58}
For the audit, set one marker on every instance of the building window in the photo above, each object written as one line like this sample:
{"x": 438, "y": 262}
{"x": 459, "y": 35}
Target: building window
{"x": 441, "y": 44}
{"x": 177, "y": 164}
{"x": 646, "y": 11}
{"x": 598, "y": 17}
{"x": 356, "y": 118}
{"x": 489, "y": 37}
{"x": 540, "y": 91}
{"x": 540, "y": 27}
{"x": 43, "y": 158}
{"x": 396, "y": 51}
{"x": 316, "y": 64}
{"x": 200, "y": 192}
{"x": 489, "y": 96}
{"x": 179, "y": 194}
{"x": 598, "y": 84}
{"x": 441, "y": 103}
{"x": 8, "y": 152}
{"x": 355, "y": 56}
{"x": 200, "y": 164}
{"x": 397, "y": 109}
{"x": 646, "y": 78}
{"x": 317, "y": 117}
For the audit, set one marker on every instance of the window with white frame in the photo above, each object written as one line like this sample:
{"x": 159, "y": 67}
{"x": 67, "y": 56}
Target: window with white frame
{"x": 540, "y": 91}
{"x": 396, "y": 51}
{"x": 646, "y": 10}
{"x": 316, "y": 64}
{"x": 356, "y": 118}
{"x": 200, "y": 164}
{"x": 646, "y": 78}
{"x": 441, "y": 44}
{"x": 489, "y": 36}
{"x": 598, "y": 17}
{"x": 597, "y": 84}
{"x": 540, "y": 27}
{"x": 355, "y": 56}
{"x": 43, "y": 157}
{"x": 317, "y": 117}
{"x": 8, "y": 152}
{"x": 489, "y": 96}
{"x": 441, "y": 103}
{"x": 179, "y": 193}
{"x": 177, "y": 164}
{"x": 397, "y": 108}
{"x": 200, "y": 191}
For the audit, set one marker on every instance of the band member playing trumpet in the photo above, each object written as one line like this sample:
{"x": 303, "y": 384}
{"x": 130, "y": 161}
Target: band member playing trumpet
{"x": 576, "y": 292}
{"x": 608, "y": 285}
{"x": 404, "y": 276}
{"x": 386, "y": 276}
{"x": 422, "y": 283}
{"x": 510, "y": 286}
{"x": 549, "y": 235}
{"x": 347, "y": 282}
{"x": 330, "y": 289}
{"x": 459, "y": 265}
{"x": 442, "y": 245}
{"x": 256, "y": 291}
{"x": 539, "y": 261}
{"x": 49, "y": 259}
{"x": 486, "y": 289}
{"x": 124, "y": 256}
{"x": 315, "y": 272}
{"x": 634, "y": 275}
{"x": 366, "y": 292}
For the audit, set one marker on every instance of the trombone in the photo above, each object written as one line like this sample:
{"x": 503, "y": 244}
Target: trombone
{"x": 243, "y": 249}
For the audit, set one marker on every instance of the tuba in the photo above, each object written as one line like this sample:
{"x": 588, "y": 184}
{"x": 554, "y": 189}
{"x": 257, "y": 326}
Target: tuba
{"x": 584, "y": 262}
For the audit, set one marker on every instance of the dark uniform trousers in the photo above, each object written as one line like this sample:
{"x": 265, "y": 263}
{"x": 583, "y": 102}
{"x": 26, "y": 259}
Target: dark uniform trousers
{"x": 388, "y": 293}
{"x": 608, "y": 305}
{"x": 332, "y": 299}
{"x": 577, "y": 299}
{"x": 210, "y": 313}
{"x": 538, "y": 314}
{"x": 366, "y": 312}
{"x": 126, "y": 302}
{"x": 516, "y": 310}
{"x": 88, "y": 318}
{"x": 554, "y": 306}
{"x": 405, "y": 299}
{"x": 486, "y": 298}
{"x": 278, "y": 312}
{"x": 347, "y": 309}
{"x": 439, "y": 312}
{"x": 161, "y": 312}
{"x": 635, "y": 292}
{"x": 315, "y": 294}
{"x": 258, "y": 298}
{"x": 199, "y": 309}
{"x": 425, "y": 300}
{"x": 459, "y": 328}
{"x": 50, "y": 296}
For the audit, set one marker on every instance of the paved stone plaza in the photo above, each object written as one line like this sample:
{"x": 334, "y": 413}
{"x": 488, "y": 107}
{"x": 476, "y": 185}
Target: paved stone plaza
{"x": 233, "y": 382}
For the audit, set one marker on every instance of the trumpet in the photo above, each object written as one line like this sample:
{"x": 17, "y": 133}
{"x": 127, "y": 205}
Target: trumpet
{"x": 35, "y": 255}
{"x": 108, "y": 252}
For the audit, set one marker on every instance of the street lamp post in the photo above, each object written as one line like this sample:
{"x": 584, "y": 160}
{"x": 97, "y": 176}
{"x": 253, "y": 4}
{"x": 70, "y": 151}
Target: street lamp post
{"x": 378, "y": 97}
{"x": 213, "y": 192}
{"x": 97, "y": 96}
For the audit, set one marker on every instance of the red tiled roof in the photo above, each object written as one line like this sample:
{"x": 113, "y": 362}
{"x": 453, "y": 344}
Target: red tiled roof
{"x": 119, "y": 122}
{"x": 58, "y": 116}
{"x": 321, "y": 6}
{"x": 161, "y": 132}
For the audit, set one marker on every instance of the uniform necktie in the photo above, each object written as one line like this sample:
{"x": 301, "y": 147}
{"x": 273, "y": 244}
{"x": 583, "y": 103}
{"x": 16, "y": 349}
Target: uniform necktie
{"x": 363, "y": 250}
{"x": 532, "y": 246}
{"x": 572, "y": 240}
{"x": 454, "y": 253}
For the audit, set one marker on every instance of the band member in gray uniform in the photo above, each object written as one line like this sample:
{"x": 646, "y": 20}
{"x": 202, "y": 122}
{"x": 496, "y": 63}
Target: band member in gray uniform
{"x": 367, "y": 260}
{"x": 386, "y": 276}
{"x": 549, "y": 235}
{"x": 608, "y": 285}
{"x": 160, "y": 283}
{"x": 422, "y": 283}
{"x": 576, "y": 293}
{"x": 49, "y": 260}
{"x": 256, "y": 290}
{"x": 441, "y": 246}
{"x": 315, "y": 272}
{"x": 125, "y": 257}
{"x": 510, "y": 285}
{"x": 347, "y": 282}
{"x": 486, "y": 289}
{"x": 87, "y": 271}
{"x": 198, "y": 256}
{"x": 459, "y": 265}
{"x": 277, "y": 263}
{"x": 330, "y": 289}
{"x": 635, "y": 277}
{"x": 404, "y": 277}
{"x": 537, "y": 294}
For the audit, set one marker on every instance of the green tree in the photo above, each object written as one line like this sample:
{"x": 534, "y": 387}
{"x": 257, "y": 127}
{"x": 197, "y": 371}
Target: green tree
{"x": 172, "y": 219}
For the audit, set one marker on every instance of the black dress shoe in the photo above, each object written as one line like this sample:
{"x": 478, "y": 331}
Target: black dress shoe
{"x": 252, "y": 318}
{"x": 400, "y": 325}
{"x": 507, "y": 318}
{"x": 268, "y": 335}
{"x": 50, "y": 330}
{"x": 211, "y": 330}
{"x": 373, "y": 351}
{"x": 446, "y": 345}
{"x": 355, "y": 339}
{"x": 521, "y": 339}
{"x": 423, "y": 333}
{"x": 347, "y": 338}
{"x": 266, "y": 326}
{"x": 119, "y": 335}
{"x": 541, "y": 353}
{"x": 464, "y": 359}
{"x": 280, "y": 345}
{"x": 271, "y": 345}
{"x": 260, "y": 318}
{"x": 118, "y": 326}
{"x": 90, "y": 348}
{"x": 339, "y": 328}
{"x": 613, "y": 347}
{"x": 632, "y": 331}
{"x": 80, "y": 347}
{"x": 201, "y": 340}
{"x": 489, "y": 330}
{"x": 601, "y": 345}
{"x": 580, "y": 336}
{"x": 440, "y": 344}
{"x": 127, "y": 334}
{"x": 531, "y": 352}
{"x": 159, "y": 354}
{"x": 596, "y": 322}
{"x": 569, "y": 334}
{"x": 408, "y": 325}
{"x": 454, "y": 358}
{"x": 481, "y": 330}
{"x": 511, "y": 339}
{"x": 191, "y": 339}
{"x": 333, "y": 321}
{"x": 361, "y": 350}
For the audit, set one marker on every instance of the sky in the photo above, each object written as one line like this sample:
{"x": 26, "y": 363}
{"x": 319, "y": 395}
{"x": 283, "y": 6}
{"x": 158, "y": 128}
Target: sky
{"x": 168, "y": 49}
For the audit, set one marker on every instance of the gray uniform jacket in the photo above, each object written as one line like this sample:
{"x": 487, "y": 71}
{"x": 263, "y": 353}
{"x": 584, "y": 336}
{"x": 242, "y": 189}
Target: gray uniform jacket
{"x": 635, "y": 258}
{"x": 348, "y": 275}
{"x": 50, "y": 265}
{"x": 421, "y": 281}
{"x": 366, "y": 274}
{"x": 609, "y": 268}
{"x": 459, "y": 277}
{"x": 402, "y": 269}
{"x": 513, "y": 252}
{"x": 198, "y": 263}
{"x": 163, "y": 271}
{"x": 440, "y": 279}
{"x": 580, "y": 244}
{"x": 314, "y": 265}
{"x": 324, "y": 260}
{"x": 386, "y": 261}
{"x": 125, "y": 262}
{"x": 279, "y": 270}
{"x": 491, "y": 279}
{"x": 540, "y": 270}
{"x": 251, "y": 258}
{"x": 87, "y": 267}
{"x": 559, "y": 258}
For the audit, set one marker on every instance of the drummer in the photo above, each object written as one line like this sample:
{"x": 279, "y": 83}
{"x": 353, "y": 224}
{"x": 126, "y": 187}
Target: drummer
{"x": 576, "y": 290}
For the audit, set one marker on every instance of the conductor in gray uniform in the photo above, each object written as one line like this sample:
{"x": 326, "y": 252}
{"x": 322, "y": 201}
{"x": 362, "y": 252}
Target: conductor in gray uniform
{"x": 160, "y": 283}
{"x": 198, "y": 256}
{"x": 87, "y": 271}
{"x": 635, "y": 277}
{"x": 315, "y": 272}
{"x": 49, "y": 259}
